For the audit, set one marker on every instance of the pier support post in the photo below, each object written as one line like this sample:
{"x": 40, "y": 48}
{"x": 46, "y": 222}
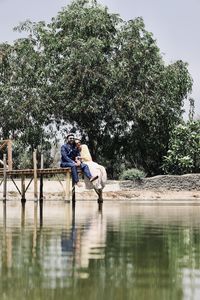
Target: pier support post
{"x": 23, "y": 214}
{"x": 23, "y": 189}
{"x": 35, "y": 175}
{"x": 73, "y": 193}
{"x": 67, "y": 187}
{"x": 10, "y": 163}
{"x": 41, "y": 214}
{"x": 4, "y": 178}
{"x": 4, "y": 215}
{"x": 41, "y": 178}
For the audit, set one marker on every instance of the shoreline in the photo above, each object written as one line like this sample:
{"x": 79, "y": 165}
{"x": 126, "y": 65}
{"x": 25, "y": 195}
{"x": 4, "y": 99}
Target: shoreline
{"x": 114, "y": 191}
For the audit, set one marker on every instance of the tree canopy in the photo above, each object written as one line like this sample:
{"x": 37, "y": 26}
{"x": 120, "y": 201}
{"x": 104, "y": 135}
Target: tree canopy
{"x": 104, "y": 76}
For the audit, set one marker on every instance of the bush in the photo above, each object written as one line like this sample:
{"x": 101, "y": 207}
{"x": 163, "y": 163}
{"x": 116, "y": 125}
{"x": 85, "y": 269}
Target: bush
{"x": 183, "y": 155}
{"x": 132, "y": 174}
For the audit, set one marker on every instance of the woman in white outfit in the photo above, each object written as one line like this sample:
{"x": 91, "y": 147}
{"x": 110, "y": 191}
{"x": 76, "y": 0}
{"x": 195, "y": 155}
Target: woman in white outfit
{"x": 95, "y": 169}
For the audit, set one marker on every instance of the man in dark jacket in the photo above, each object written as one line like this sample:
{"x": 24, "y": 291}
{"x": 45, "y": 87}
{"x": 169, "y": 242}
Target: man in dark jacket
{"x": 69, "y": 154}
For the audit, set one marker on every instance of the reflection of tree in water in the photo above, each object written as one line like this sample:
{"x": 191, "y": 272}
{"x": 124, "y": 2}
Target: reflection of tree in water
{"x": 147, "y": 260}
{"x": 86, "y": 242}
{"x": 95, "y": 258}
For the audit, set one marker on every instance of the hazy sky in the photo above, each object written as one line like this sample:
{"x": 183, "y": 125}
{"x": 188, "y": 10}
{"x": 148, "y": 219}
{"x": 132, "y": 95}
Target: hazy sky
{"x": 175, "y": 25}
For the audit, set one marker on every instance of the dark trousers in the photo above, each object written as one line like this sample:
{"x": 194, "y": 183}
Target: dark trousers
{"x": 85, "y": 169}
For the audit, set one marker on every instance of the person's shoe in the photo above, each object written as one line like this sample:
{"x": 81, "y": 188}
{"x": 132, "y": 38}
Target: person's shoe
{"x": 93, "y": 178}
{"x": 78, "y": 184}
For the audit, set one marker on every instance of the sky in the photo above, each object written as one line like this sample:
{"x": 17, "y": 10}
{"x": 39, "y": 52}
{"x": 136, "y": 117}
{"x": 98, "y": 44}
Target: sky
{"x": 175, "y": 25}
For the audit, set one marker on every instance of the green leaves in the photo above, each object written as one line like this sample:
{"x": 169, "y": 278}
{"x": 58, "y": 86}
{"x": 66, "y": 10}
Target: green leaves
{"x": 183, "y": 155}
{"x": 132, "y": 174}
{"x": 105, "y": 76}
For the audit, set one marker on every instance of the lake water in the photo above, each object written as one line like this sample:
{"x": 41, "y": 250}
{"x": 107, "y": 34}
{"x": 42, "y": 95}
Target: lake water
{"x": 122, "y": 251}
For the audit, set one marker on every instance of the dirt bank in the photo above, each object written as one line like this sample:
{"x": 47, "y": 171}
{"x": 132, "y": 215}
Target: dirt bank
{"x": 114, "y": 190}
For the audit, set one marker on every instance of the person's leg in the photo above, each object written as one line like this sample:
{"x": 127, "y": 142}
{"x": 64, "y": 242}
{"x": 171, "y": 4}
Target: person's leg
{"x": 75, "y": 178}
{"x": 85, "y": 169}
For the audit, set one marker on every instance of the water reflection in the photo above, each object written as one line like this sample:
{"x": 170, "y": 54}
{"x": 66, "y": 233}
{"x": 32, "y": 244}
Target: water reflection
{"x": 120, "y": 251}
{"x": 23, "y": 214}
{"x": 41, "y": 212}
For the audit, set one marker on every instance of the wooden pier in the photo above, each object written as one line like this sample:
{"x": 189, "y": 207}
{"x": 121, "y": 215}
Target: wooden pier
{"x": 34, "y": 174}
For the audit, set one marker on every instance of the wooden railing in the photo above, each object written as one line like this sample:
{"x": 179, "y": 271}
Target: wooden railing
{"x": 8, "y": 144}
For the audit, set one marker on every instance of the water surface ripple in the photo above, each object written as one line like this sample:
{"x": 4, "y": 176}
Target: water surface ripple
{"x": 122, "y": 251}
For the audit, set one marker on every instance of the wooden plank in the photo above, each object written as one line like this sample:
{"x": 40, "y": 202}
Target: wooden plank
{"x": 67, "y": 191}
{"x": 73, "y": 194}
{"x": 23, "y": 189}
{"x": 15, "y": 185}
{"x": 4, "y": 178}
{"x": 3, "y": 145}
{"x": 48, "y": 171}
{"x": 41, "y": 177}
{"x": 54, "y": 171}
{"x": 35, "y": 174}
{"x": 7, "y": 143}
{"x": 10, "y": 163}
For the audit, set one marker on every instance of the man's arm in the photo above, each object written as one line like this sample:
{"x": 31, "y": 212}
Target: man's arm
{"x": 65, "y": 155}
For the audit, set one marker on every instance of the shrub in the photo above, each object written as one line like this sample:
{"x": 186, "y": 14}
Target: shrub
{"x": 183, "y": 155}
{"x": 132, "y": 174}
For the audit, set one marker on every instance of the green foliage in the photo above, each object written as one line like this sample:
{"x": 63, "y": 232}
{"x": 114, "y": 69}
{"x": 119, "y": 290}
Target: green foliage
{"x": 183, "y": 155}
{"x": 132, "y": 174}
{"x": 22, "y": 157}
{"x": 104, "y": 76}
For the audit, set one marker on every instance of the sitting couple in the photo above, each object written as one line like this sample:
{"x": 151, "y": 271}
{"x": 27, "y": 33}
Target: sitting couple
{"x": 73, "y": 155}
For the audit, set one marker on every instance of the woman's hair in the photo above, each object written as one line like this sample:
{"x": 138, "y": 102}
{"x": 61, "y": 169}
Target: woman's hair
{"x": 77, "y": 141}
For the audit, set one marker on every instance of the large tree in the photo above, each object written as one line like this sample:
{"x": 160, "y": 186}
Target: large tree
{"x": 106, "y": 77}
